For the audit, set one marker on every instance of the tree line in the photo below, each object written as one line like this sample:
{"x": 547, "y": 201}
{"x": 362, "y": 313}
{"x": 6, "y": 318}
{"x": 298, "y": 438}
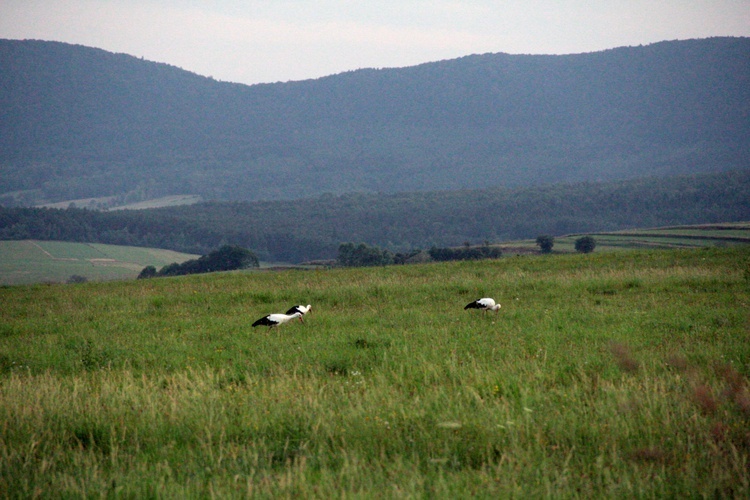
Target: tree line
{"x": 303, "y": 230}
{"x": 364, "y": 255}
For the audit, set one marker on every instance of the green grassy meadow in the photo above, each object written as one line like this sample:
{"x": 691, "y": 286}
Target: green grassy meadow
{"x": 612, "y": 374}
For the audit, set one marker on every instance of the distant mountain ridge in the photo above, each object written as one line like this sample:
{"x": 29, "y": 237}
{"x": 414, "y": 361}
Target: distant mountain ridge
{"x": 79, "y": 122}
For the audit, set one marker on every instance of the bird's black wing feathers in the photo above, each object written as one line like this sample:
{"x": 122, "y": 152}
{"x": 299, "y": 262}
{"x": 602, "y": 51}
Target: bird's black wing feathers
{"x": 473, "y": 305}
{"x": 293, "y": 310}
{"x": 264, "y": 322}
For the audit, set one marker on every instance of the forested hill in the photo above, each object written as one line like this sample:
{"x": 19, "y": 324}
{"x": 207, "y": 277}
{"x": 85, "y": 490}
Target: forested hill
{"x": 80, "y": 122}
{"x": 299, "y": 230}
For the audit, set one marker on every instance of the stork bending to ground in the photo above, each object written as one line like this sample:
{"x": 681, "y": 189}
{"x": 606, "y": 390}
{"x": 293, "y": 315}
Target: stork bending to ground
{"x": 276, "y": 319}
{"x": 300, "y": 309}
{"x": 486, "y": 304}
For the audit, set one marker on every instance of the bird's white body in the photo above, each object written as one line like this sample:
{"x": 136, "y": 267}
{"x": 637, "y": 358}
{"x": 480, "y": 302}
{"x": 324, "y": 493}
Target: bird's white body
{"x": 276, "y": 319}
{"x": 486, "y": 304}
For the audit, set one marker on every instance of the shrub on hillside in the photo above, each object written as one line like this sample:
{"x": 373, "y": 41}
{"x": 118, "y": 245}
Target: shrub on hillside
{"x": 147, "y": 272}
{"x": 545, "y": 243}
{"x": 585, "y": 244}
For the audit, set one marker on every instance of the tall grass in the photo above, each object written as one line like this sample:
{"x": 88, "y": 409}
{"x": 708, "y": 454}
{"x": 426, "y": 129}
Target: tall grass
{"x": 620, "y": 374}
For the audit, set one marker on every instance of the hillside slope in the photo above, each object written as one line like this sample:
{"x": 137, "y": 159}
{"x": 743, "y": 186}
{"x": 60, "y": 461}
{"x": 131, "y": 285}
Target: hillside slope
{"x": 78, "y": 122}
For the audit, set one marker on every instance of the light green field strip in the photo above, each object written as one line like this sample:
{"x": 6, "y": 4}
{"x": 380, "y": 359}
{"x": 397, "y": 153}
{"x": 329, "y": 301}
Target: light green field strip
{"x": 23, "y": 262}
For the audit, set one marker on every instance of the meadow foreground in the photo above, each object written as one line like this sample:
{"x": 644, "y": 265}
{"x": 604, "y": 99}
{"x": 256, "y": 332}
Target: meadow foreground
{"x": 604, "y": 375}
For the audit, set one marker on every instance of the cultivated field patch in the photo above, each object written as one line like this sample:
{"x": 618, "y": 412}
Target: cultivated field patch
{"x": 27, "y": 261}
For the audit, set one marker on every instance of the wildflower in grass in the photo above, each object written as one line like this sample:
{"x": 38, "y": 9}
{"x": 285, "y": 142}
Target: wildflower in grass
{"x": 358, "y": 378}
{"x": 382, "y": 422}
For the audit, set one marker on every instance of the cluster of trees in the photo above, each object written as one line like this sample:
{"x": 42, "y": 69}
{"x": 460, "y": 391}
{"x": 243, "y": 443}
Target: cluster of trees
{"x": 226, "y": 258}
{"x": 467, "y": 252}
{"x": 584, "y": 244}
{"x": 362, "y": 255}
{"x": 398, "y": 222}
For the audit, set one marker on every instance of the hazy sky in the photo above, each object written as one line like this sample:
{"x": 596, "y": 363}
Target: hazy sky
{"x": 256, "y": 41}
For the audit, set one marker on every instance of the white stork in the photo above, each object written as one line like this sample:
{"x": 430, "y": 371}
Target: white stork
{"x": 276, "y": 319}
{"x": 486, "y": 304}
{"x": 300, "y": 309}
